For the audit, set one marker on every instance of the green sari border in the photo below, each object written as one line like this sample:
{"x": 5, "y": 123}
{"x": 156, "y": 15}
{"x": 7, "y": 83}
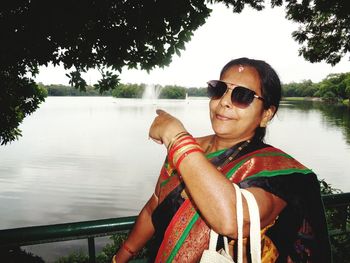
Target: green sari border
{"x": 274, "y": 173}
{"x": 239, "y": 164}
{"x": 182, "y": 238}
{"x": 214, "y": 154}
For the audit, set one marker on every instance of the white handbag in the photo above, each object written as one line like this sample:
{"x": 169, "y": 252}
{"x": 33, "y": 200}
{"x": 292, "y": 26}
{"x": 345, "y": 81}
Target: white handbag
{"x": 212, "y": 256}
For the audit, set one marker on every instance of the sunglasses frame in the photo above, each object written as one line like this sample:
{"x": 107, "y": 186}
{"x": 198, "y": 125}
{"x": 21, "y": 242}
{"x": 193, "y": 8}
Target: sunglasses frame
{"x": 228, "y": 88}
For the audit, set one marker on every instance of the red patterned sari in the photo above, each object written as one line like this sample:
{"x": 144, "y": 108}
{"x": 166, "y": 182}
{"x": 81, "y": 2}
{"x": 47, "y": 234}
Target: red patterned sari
{"x": 187, "y": 234}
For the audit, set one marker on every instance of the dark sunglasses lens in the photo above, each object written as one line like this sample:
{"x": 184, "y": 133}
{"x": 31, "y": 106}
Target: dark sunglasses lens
{"x": 242, "y": 97}
{"x": 216, "y": 89}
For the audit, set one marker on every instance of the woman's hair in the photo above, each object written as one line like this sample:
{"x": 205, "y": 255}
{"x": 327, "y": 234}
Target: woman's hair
{"x": 270, "y": 85}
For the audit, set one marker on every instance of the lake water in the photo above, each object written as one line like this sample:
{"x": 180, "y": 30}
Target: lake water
{"x": 86, "y": 158}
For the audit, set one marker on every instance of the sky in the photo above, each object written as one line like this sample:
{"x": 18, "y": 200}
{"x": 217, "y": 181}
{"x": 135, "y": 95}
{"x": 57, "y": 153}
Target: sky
{"x": 264, "y": 35}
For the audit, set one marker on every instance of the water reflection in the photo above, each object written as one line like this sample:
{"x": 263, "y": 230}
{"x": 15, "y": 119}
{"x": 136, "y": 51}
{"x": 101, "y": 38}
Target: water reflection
{"x": 338, "y": 116}
{"x": 332, "y": 115}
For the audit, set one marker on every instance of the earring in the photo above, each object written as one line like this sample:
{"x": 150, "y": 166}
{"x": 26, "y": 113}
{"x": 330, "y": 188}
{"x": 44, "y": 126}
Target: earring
{"x": 263, "y": 124}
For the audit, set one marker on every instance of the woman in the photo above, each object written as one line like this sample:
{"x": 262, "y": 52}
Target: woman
{"x": 194, "y": 191}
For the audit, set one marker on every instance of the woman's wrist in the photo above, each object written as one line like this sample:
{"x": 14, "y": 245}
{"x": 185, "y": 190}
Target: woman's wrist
{"x": 124, "y": 254}
{"x": 129, "y": 250}
{"x": 180, "y": 147}
{"x": 170, "y": 138}
{"x": 175, "y": 138}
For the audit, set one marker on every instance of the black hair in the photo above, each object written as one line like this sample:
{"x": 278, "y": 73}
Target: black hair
{"x": 270, "y": 85}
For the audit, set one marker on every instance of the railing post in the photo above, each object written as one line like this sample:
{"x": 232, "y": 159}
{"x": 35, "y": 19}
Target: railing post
{"x": 92, "y": 254}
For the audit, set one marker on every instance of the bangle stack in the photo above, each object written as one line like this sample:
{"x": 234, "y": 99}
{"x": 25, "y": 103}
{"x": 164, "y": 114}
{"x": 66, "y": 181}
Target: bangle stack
{"x": 181, "y": 146}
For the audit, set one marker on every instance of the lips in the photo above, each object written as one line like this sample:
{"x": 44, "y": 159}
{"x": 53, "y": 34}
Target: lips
{"x": 222, "y": 117}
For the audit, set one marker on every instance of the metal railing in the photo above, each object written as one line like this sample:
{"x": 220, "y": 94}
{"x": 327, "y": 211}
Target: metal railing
{"x": 105, "y": 227}
{"x": 89, "y": 230}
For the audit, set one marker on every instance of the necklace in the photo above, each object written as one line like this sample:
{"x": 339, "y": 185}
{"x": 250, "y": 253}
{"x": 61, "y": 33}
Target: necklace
{"x": 210, "y": 144}
{"x": 232, "y": 155}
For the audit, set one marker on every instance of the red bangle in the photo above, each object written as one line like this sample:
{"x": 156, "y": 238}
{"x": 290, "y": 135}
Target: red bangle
{"x": 174, "y": 149}
{"x": 177, "y": 137}
{"x": 128, "y": 249}
{"x": 177, "y": 146}
{"x": 185, "y": 155}
{"x": 181, "y": 139}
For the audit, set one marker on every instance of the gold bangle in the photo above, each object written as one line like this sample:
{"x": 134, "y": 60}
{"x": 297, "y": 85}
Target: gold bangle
{"x": 177, "y": 136}
{"x": 184, "y": 149}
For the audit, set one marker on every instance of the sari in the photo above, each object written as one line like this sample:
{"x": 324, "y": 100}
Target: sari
{"x": 299, "y": 234}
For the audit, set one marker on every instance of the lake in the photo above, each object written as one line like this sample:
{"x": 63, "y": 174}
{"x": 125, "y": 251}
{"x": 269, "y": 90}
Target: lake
{"x": 86, "y": 158}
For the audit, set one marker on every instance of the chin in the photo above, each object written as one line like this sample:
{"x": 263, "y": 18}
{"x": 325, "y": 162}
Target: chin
{"x": 222, "y": 132}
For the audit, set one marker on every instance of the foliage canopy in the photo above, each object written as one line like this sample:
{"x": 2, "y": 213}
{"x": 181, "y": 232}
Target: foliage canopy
{"x": 113, "y": 34}
{"x": 324, "y": 30}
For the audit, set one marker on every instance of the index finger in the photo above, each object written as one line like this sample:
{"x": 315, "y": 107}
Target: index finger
{"x": 160, "y": 112}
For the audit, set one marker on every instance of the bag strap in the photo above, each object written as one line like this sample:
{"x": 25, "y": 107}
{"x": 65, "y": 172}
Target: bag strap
{"x": 213, "y": 239}
{"x": 239, "y": 215}
{"x": 254, "y": 235}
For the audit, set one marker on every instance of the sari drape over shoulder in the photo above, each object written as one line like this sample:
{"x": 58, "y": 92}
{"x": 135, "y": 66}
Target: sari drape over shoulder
{"x": 299, "y": 233}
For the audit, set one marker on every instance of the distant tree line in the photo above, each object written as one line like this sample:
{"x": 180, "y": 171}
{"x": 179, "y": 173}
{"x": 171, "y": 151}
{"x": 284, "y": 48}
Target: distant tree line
{"x": 172, "y": 92}
{"x": 334, "y": 88}
{"x": 65, "y": 90}
{"x": 197, "y": 92}
{"x": 125, "y": 91}
{"x": 137, "y": 90}
{"x": 129, "y": 91}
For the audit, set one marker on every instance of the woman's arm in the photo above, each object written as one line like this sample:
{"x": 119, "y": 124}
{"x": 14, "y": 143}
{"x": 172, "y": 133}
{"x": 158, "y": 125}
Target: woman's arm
{"x": 142, "y": 231}
{"x": 215, "y": 197}
{"x": 212, "y": 192}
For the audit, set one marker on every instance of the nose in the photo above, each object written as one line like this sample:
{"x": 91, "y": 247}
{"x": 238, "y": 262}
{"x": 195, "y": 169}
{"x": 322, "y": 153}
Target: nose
{"x": 225, "y": 100}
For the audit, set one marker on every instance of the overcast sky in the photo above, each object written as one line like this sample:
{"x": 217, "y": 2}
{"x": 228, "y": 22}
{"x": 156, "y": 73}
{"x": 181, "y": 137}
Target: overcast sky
{"x": 262, "y": 35}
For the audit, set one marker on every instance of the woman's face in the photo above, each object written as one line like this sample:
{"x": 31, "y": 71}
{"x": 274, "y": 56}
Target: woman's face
{"x": 231, "y": 122}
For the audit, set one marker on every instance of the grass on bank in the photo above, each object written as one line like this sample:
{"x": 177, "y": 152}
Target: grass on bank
{"x": 343, "y": 102}
{"x": 301, "y": 99}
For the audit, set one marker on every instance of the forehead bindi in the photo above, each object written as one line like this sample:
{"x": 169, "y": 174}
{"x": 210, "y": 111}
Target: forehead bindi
{"x": 242, "y": 75}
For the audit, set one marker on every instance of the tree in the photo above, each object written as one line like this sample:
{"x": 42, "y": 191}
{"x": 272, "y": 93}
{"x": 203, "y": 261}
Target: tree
{"x": 303, "y": 89}
{"x": 325, "y": 28}
{"x": 112, "y": 34}
{"x": 84, "y": 34}
{"x": 197, "y": 92}
{"x": 129, "y": 91}
{"x": 172, "y": 92}
{"x": 336, "y": 85}
{"x": 19, "y": 96}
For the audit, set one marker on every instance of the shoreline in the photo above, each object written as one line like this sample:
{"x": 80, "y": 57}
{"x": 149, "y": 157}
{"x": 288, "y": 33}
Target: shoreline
{"x": 344, "y": 102}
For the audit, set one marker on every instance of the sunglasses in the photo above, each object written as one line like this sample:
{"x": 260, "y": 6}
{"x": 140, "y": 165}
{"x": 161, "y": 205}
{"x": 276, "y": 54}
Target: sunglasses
{"x": 241, "y": 97}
